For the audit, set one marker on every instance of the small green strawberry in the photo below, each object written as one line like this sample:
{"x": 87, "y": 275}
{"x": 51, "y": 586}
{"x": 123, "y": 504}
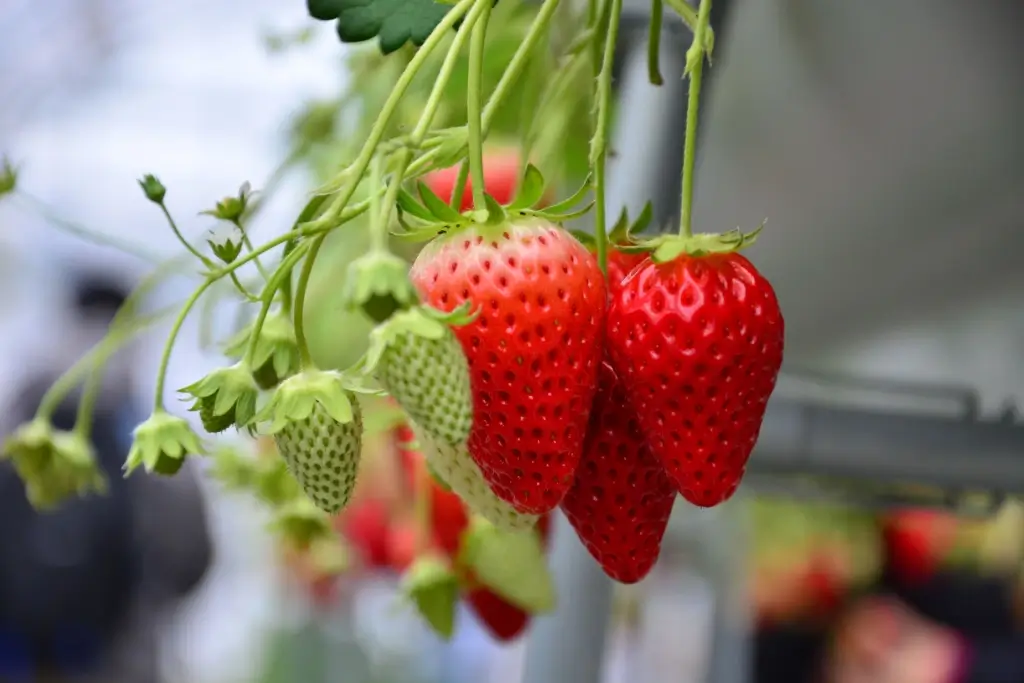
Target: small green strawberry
{"x": 417, "y": 359}
{"x": 53, "y": 464}
{"x": 456, "y": 467}
{"x": 318, "y": 427}
{"x": 161, "y": 444}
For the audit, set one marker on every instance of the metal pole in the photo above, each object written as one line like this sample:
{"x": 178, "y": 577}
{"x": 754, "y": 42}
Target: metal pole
{"x": 568, "y": 646}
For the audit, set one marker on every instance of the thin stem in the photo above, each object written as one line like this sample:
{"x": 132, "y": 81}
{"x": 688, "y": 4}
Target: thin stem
{"x": 654, "y": 43}
{"x": 249, "y": 296}
{"x": 474, "y": 111}
{"x": 459, "y": 188}
{"x": 165, "y": 359}
{"x": 181, "y": 238}
{"x": 309, "y": 212}
{"x": 358, "y": 168}
{"x": 378, "y": 230}
{"x": 690, "y": 18}
{"x": 96, "y": 363}
{"x": 281, "y": 275}
{"x": 519, "y": 60}
{"x": 429, "y": 111}
{"x": 599, "y": 144}
{"x": 695, "y": 64}
{"x": 85, "y": 233}
{"x": 248, "y": 245}
{"x": 300, "y": 302}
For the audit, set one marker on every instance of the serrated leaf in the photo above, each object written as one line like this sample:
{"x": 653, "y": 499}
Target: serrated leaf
{"x": 531, "y": 189}
{"x": 393, "y": 22}
{"x": 495, "y": 212}
{"x": 408, "y": 204}
{"x": 438, "y": 207}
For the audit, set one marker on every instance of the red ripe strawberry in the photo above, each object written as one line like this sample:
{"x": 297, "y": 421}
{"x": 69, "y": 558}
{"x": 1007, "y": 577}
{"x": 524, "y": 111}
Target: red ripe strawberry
{"x": 697, "y": 342}
{"x": 401, "y": 546}
{"x": 620, "y": 264}
{"x": 533, "y": 350}
{"x": 916, "y": 542}
{"x": 501, "y": 178}
{"x": 622, "y": 498}
{"x": 365, "y": 524}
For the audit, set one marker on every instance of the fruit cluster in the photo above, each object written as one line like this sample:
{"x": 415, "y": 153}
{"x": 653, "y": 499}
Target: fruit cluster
{"x": 539, "y": 369}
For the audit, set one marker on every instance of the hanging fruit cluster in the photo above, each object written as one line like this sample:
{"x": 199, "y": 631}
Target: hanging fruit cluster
{"x": 538, "y": 368}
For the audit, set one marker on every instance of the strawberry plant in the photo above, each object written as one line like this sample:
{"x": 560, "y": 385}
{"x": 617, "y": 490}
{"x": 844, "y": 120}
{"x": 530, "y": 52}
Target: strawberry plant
{"x": 535, "y": 367}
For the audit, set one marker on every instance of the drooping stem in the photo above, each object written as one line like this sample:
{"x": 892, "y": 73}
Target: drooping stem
{"x": 85, "y": 233}
{"x": 695, "y": 66}
{"x": 419, "y": 133}
{"x": 248, "y": 245}
{"x": 165, "y": 359}
{"x": 474, "y": 106}
{"x": 305, "y": 358}
{"x": 355, "y": 172}
{"x": 181, "y": 238}
{"x": 280, "y": 276}
{"x": 599, "y": 143}
{"x": 459, "y": 188}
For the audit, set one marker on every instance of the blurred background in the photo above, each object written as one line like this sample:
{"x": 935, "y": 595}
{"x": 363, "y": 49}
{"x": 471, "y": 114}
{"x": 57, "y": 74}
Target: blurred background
{"x": 882, "y": 142}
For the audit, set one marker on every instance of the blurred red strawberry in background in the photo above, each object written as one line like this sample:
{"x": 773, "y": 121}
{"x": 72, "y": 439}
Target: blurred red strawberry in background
{"x": 916, "y": 542}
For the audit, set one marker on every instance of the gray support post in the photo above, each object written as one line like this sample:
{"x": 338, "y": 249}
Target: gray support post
{"x": 568, "y": 646}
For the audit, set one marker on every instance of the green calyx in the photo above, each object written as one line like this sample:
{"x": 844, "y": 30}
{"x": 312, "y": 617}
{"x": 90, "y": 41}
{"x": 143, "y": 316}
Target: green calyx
{"x": 512, "y": 564}
{"x": 267, "y": 478}
{"x": 429, "y": 216}
{"x": 621, "y": 234}
{"x": 434, "y": 589}
{"x": 665, "y": 248}
{"x": 296, "y": 397}
{"x": 161, "y": 444}
{"x": 55, "y": 465}
{"x": 378, "y": 283}
{"x": 423, "y": 322}
{"x": 302, "y": 523}
{"x": 224, "y": 398}
{"x": 276, "y": 355}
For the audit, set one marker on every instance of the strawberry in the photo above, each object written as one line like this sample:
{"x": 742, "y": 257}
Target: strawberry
{"x": 621, "y": 264}
{"x": 697, "y": 342}
{"x": 533, "y": 350}
{"x": 622, "y": 498}
{"x": 502, "y": 619}
{"x": 501, "y": 178}
{"x": 401, "y": 546}
{"x": 916, "y": 541}
{"x": 419, "y": 362}
{"x": 323, "y": 455}
{"x": 365, "y": 524}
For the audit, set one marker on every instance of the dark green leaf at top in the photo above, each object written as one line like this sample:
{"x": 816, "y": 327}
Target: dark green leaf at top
{"x": 393, "y": 22}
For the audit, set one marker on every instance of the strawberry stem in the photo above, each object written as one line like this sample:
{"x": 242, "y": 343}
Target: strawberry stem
{"x": 355, "y": 172}
{"x": 459, "y": 188}
{"x": 474, "y": 108}
{"x": 305, "y": 359}
{"x": 276, "y": 280}
{"x": 165, "y": 359}
{"x": 378, "y": 229}
{"x": 695, "y": 67}
{"x": 599, "y": 143}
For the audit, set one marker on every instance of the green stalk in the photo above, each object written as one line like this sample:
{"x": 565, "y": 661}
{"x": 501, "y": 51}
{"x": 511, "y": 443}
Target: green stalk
{"x": 165, "y": 359}
{"x": 279, "y": 277}
{"x": 599, "y": 144}
{"x": 695, "y": 64}
{"x": 474, "y": 110}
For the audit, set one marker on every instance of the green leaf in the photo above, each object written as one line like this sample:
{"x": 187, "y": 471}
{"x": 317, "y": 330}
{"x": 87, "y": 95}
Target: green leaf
{"x": 495, "y": 212}
{"x": 437, "y": 206}
{"x": 512, "y": 564}
{"x": 531, "y": 190}
{"x": 567, "y": 205}
{"x": 408, "y": 204}
{"x": 434, "y": 589}
{"x": 393, "y": 22}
